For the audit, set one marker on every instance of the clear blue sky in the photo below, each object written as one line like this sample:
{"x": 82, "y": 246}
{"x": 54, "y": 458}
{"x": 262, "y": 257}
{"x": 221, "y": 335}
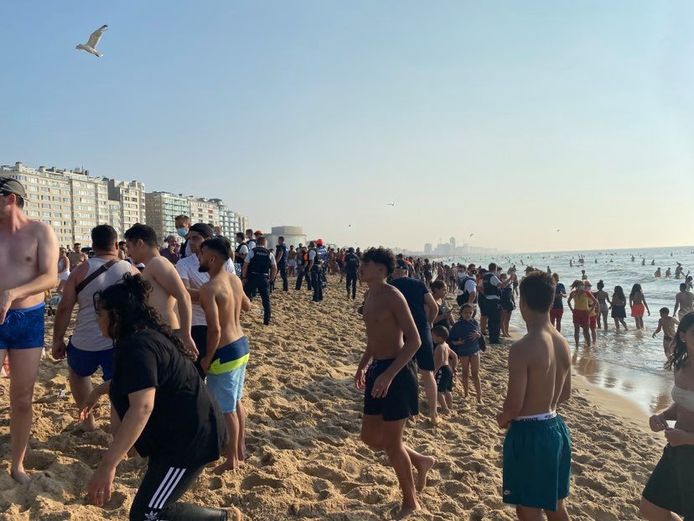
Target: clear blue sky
{"x": 527, "y": 116}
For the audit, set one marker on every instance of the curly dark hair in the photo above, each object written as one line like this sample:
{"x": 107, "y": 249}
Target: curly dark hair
{"x": 128, "y": 311}
{"x": 381, "y": 256}
{"x": 679, "y": 357}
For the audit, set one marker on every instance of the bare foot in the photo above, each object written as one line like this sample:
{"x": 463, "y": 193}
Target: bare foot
{"x": 20, "y": 476}
{"x": 227, "y": 465}
{"x": 422, "y": 470}
{"x": 234, "y": 514}
{"x": 406, "y": 511}
{"x": 241, "y": 454}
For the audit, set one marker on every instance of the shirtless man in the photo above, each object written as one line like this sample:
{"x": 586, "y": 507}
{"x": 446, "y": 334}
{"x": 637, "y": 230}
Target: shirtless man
{"x": 29, "y": 260}
{"x": 684, "y": 302}
{"x": 537, "y": 448}
{"x": 222, "y": 299}
{"x": 76, "y": 256}
{"x": 168, "y": 290}
{"x": 390, "y": 384}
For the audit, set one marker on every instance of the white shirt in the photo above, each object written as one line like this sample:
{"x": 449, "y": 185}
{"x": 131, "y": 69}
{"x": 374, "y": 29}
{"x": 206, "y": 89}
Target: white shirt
{"x": 243, "y": 250}
{"x": 187, "y": 268}
{"x": 250, "y": 244}
{"x": 311, "y": 255}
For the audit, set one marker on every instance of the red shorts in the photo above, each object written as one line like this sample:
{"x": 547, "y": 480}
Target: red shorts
{"x": 581, "y": 317}
{"x": 556, "y": 314}
{"x": 637, "y": 310}
{"x": 593, "y": 321}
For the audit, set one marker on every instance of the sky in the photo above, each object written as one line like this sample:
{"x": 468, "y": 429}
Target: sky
{"x": 509, "y": 120}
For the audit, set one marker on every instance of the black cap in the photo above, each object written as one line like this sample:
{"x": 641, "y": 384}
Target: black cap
{"x": 203, "y": 229}
{"x": 9, "y": 185}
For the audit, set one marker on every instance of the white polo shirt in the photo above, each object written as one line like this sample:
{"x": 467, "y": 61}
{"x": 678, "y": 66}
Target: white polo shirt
{"x": 187, "y": 268}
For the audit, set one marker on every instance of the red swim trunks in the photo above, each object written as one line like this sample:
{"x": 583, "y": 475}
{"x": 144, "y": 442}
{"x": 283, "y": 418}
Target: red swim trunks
{"x": 581, "y": 317}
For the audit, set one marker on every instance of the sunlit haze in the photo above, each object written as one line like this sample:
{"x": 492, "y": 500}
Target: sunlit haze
{"x": 509, "y": 120}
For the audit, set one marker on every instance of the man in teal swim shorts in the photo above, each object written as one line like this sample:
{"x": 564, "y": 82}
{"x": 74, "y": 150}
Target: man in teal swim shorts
{"x": 537, "y": 448}
{"x": 29, "y": 263}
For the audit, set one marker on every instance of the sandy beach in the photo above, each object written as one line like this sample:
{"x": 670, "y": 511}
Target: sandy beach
{"x": 306, "y": 461}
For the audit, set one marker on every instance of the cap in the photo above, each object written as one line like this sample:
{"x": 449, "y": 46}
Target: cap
{"x": 12, "y": 186}
{"x": 257, "y": 233}
{"x": 400, "y": 265}
{"x": 203, "y": 229}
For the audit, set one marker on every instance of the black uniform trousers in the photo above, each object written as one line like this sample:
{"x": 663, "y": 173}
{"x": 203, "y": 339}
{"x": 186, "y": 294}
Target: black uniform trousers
{"x": 260, "y": 283}
{"x": 317, "y": 283}
{"x": 351, "y": 284}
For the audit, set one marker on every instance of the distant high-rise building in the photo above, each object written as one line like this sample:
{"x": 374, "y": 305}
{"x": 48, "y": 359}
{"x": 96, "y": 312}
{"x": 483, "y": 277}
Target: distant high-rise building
{"x": 428, "y": 248}
{"x": 451, "y": 241}
{"x": 131, "y": 199}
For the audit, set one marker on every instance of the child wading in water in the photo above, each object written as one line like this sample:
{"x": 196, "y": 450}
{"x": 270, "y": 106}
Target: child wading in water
{"x": 464, "y": 339}
{"x": 537, "y": 448}
{"x": 668, "y": 325}
{"x": 445, "y": 362}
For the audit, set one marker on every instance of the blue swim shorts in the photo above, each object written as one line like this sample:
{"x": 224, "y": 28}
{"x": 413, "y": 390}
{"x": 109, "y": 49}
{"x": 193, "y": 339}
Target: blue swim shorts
{"x": 227, "y": 388}
{"x": 537, "y": 463}
{"x": 85, "y": 363}
{"x": 23, "y": 328}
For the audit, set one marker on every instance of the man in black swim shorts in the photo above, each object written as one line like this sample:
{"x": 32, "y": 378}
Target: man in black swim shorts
{"x": 390, "y": 383}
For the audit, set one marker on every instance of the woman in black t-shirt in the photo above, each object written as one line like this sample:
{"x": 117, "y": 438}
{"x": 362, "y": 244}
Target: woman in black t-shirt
{"x": 164, "y": 407}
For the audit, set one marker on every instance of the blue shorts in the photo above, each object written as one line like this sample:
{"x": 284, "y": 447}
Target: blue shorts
{"x": 85, "y": 363}
{"x": 537, "y": 463}
{"x": 227, "y": 388}
{"x": 23, "y": 328}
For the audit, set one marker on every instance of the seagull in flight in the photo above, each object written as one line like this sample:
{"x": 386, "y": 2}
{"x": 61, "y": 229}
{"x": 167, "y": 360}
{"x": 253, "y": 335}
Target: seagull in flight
{"x": 390, "y": 204}
{"x": 472, "y": 234}
{"x": 558, "y": 230}
{"x": 93, "y": 41}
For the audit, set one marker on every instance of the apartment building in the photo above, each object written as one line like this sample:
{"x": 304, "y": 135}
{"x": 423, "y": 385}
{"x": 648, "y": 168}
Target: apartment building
{"x": 130, "y": 197}
{"x": 162, "y": 209}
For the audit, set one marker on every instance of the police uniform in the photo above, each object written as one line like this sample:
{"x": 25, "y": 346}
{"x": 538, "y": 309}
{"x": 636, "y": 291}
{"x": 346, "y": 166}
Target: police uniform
{"x": 259, "y": 262}
{"x": 317, "y": 275}
{"x": 282, "y": 265}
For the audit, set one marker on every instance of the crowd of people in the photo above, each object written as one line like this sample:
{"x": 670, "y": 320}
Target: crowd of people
{"x": 164, "y": 327}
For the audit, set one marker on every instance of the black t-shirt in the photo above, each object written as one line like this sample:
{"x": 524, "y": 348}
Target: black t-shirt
{"x": 414, "y": 291}
{"x": 185, "y": 428}
{"x": 281, "y": 248}
{"x": 351, "y": 263}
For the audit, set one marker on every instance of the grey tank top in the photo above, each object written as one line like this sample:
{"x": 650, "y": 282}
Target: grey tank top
{"x": 87, "y": 336}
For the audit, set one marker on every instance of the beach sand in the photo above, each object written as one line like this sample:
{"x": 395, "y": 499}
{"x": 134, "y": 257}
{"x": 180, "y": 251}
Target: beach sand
{"x": 306, "y": 461}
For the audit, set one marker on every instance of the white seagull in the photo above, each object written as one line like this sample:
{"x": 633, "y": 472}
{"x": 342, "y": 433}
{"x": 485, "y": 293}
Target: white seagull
{"x": 94, "y": 38}
{"x": 390, "y": 204}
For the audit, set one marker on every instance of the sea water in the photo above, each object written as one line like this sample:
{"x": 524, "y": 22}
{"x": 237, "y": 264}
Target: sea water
{"x": 629, "y": 363}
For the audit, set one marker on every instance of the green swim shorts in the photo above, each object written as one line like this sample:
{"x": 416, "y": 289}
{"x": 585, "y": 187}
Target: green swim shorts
{"x": 537, "y": 463}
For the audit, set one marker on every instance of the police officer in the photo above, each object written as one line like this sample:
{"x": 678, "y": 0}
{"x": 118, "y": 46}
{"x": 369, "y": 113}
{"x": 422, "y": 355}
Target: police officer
{"x": 301, "y": 267}
{"x": 259, "y": 269}
{"x": 351, "y": 271}
{"x": 316, "y": 267}
{"x": 324, "y": 256}
{"x": 492, "y": 293}
{"x": 241, "y": 252}
{"x": 281, "y": 258}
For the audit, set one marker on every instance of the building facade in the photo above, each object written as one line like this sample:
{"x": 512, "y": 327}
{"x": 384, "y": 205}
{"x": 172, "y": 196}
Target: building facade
{"x": 131, "y": 199}
{"x": 73, "y": 202}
